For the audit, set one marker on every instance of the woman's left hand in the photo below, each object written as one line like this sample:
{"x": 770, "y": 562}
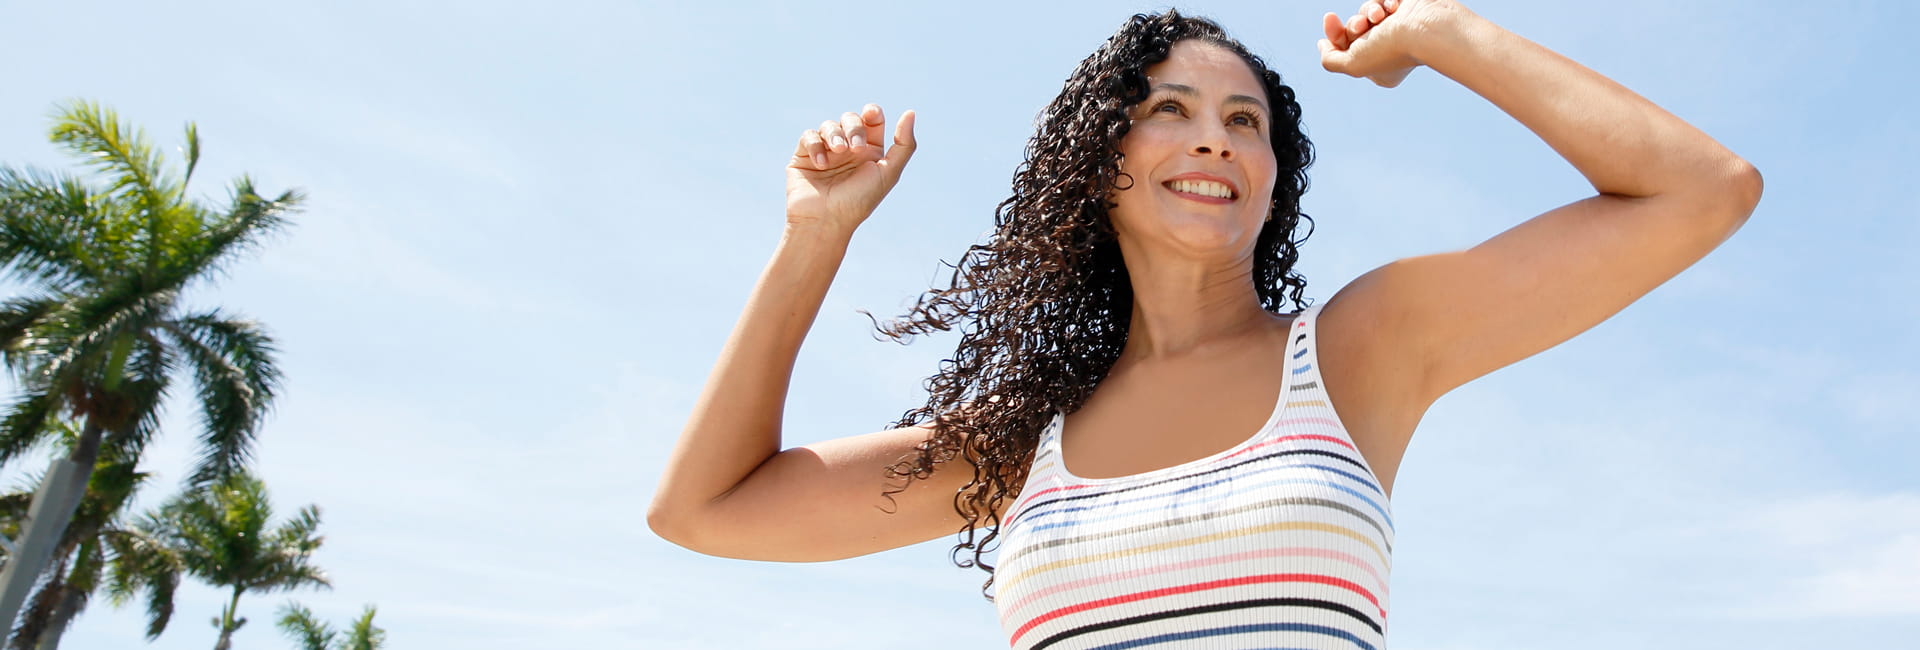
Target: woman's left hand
{"x": 1377, "y": 42}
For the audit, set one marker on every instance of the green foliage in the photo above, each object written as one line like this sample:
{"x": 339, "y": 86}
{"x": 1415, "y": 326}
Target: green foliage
{"x": 99, "y": 335}
{"x": 222, "y": 537}
{"x": 220, "y": 534}
{"x": 96, "y": 549}
{"x": 107, "y": 254}
{"x": 305, "y": 628}
{"x": 312, "y": 633}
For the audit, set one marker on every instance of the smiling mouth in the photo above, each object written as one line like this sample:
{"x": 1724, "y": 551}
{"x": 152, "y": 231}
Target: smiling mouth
{"x": 1201, "y": 191}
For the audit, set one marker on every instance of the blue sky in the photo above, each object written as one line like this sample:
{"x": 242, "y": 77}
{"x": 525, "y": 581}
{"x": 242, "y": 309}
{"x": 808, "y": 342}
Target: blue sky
{"x": 531, "y": 229}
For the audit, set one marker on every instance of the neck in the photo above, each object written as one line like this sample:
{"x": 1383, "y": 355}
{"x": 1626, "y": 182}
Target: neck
{"x": 1184, "y": 306}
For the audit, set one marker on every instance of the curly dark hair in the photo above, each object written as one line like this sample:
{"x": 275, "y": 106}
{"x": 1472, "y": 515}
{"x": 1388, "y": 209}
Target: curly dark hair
{"x": 1044, "y": 305}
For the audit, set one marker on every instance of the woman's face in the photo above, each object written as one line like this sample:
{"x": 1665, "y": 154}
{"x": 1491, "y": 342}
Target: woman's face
{"x": 1200, "y": 156}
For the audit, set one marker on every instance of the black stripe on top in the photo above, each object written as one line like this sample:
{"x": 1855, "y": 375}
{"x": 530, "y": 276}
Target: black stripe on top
{"x": 1208, "y": 609}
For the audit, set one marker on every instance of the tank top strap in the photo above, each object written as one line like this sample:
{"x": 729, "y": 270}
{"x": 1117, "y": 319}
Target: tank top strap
{"x": 1046, "y": 453}
{"x": 1308, "y": 408}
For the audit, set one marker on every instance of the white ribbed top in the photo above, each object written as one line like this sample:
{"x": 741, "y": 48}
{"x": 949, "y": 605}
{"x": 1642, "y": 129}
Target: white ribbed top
{"x": 1282, "y": 541}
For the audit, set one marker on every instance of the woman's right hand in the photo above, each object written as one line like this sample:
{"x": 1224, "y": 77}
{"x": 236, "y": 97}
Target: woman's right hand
{"x": 841, "y": 170}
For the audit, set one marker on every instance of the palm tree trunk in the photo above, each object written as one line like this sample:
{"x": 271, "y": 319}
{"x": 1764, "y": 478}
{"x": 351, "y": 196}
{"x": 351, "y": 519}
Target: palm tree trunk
{"x": 53, "y": 506}
{"x": 59, "y": 598}
{"x": 62, "y": 617}
{"x": 33, "y": 622}
{"x": 229, "y": 621}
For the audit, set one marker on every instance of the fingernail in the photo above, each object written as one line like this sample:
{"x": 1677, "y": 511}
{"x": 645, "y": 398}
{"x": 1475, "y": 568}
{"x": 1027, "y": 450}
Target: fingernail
{"x": 820, "y": 160}
{"x": 839, "y": 142}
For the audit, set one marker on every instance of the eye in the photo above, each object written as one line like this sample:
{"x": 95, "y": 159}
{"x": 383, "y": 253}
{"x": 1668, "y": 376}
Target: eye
{"x": 1252, "y": 119}
{"x": 1168, "y": 104}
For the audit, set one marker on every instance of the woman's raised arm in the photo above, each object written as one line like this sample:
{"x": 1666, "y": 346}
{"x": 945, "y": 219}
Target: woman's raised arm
{"x": 1667, "y": 194}
{"x": 835, "y": 180}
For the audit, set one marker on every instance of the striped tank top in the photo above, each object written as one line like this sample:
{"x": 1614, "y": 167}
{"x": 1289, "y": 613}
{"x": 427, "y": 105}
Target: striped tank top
{"x": 1282, "y": 541}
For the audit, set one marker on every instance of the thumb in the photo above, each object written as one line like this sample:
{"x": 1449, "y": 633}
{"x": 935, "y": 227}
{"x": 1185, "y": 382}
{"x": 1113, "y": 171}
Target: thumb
{"x": 903, "y": 146}
{"x": 1332, "y": 58}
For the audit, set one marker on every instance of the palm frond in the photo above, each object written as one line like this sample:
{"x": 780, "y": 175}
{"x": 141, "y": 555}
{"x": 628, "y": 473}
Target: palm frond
{"x": 305, "y": 628}
{"x": 237, "y": 380}
{"x": 143, "y": 562}
{"x": 288, "y": 572}
{"x": 18, "y": 316}
{"x": 286, "y": 557}
{"x": 89, "y": 331}
{"x": 27, "y": 422}
{"x": 217, "y": 529}
{"x": 193, "y": 153}
{"x": 53, "y": 227}
{"x": 249, "y": 221}
{"x": 122, "y": 153}
{"x": 26, "y": 355}
{"x": 301, "y": 533}
{"x": 363, "y": 635}
{"x": 160, "y": 589}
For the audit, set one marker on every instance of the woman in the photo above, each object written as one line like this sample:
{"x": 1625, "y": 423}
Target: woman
{"x": 1122, "y": 332}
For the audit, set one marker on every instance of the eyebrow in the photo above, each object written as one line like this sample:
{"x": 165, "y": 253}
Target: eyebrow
{"x": 1188, "y": 91}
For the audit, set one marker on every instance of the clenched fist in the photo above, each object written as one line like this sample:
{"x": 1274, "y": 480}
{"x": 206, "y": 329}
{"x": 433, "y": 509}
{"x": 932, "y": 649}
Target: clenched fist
{"x": 841, "y": 170}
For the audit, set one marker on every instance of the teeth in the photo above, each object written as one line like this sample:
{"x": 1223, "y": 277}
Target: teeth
{"x": 1203, "y": 188}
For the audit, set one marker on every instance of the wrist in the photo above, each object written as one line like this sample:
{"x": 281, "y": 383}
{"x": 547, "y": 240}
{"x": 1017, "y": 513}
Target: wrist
{"x": 816, "y": 231}
{"x": 1445, "y": 28}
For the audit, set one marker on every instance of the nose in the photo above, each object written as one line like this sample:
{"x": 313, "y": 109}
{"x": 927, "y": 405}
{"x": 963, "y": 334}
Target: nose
{"x": 1212, "y": 139}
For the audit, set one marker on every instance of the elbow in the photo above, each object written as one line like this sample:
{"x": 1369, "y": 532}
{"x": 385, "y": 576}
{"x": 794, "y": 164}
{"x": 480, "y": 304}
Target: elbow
{"x": 1746, "y": 186}
{"x": 691, "y": 533}
{"x": 1726, "y": 202}
{"x": 669, "y": 527}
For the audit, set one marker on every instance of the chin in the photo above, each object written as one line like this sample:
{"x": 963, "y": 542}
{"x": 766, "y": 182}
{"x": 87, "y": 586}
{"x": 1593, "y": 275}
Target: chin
{"x": 1207, "y": 235}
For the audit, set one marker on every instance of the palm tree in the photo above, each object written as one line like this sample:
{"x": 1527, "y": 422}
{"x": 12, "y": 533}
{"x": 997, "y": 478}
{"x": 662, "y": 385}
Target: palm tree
{"x": 100, "y": 333}
{"x": 94, "y": 544}
{"x": 314, "y": 634}
{"x": 220, "y": 535}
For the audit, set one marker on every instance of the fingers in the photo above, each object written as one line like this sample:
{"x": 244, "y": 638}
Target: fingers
{"x": 835, "y": 137}
{"x": 1374, "y": 11}
{"x": 1342, "y": 34}
{"x": 811, "y": 148}
{"x": 854, "y": 132}
{"x": 1358, "y": 26}
{"x": 873, "y": 123}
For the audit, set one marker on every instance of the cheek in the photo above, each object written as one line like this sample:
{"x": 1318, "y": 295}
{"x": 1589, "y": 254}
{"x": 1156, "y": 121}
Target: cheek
{"x": 1263, "y": 168}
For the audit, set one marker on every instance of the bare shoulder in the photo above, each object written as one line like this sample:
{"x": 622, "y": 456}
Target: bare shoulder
{"x": 1373, "y": 381}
